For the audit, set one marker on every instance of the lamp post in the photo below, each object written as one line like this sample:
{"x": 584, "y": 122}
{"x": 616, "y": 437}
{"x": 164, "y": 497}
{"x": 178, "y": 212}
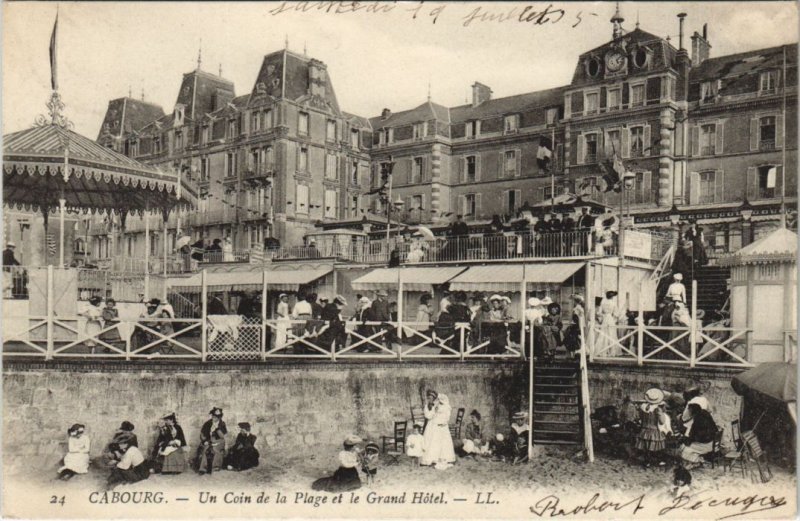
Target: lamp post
{"x": 386, "y": 197}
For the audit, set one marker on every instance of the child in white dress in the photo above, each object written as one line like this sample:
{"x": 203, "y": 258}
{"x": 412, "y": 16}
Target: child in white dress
{"x": 414, "y": 444}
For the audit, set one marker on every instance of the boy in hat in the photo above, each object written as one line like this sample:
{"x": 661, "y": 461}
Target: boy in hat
{"x": 243, "y": 454}
{"x": 211, "y": 451}
{"x": 519, "y": 437}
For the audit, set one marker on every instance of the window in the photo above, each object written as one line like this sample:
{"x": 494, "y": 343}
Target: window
{"x": 511, "y": 123}
{"x": 331, "y": 204}
{"x": 330, "y": 166}
{"x": 178, "y": 140}
{"x": 382, "y": 137}
{"x": 230, "y": 164}
{"x": 302, "y": 123}
{"x": 472, "y": 129}
{"x": 330, "y": 130}
{"x": 255, "y": 122}
{"x": 590, "y": 154}
{"x": 614, "y": 99}
{"x": 637, "y": 95}
{"x": 355, "y": 203}
{"x": 472, "y": 169}
{"x": 470, "y": 205}
{"x": 416, "y": 203}
{"x": 551, "y": 116}
{"x": 547, "y": 193}
{"x": 390, "y": 135}
{"x": 266, "y": 159}
{"x": 766, "y": 133}
{"x": 231, "y": 128}
{"x": 354, "y": 138}
{"x": 302, "y": 199}
{"x": 255, "y": 160}
{"x": 591, "y": 102}
{"x": 768, "y": 81}
{"x": 266, "y": 119}
{"x": 708, "y": 139}
{"x": 417, "y": 169}
{"x": 613, "y": 143}
{"x": 587, "y": 185}
{"x": 354, "y": 173}
{"x": 203, "y": 169}
{"x": 134, "y": 150}
{"x": 420, "y": 130}
{"x": 767, "y": 180}
{"x": 642, "y": 189}
{"x": 707, "y": 187}
{"x": 510, "y": 162}
{"x": 302, "y": 160}
{"x": 156, "y": 145}
{"x": 637, "y": 141}
{"x": 512, "y": 201}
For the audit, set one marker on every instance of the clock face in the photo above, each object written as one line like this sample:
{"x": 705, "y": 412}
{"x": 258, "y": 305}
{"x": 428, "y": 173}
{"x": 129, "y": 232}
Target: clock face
{"x": 615, "y": 61}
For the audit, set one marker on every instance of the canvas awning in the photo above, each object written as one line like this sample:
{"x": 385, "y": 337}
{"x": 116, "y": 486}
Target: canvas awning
{"x": 507, "y": 278}
{"x": 277, "y": 279}
{"x": 414, "y": 279}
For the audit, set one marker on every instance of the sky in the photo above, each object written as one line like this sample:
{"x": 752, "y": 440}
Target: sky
{"x": 383, "y": 55}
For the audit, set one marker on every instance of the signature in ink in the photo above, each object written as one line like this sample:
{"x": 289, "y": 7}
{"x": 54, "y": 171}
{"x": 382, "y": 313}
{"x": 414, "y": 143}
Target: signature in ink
{"x": 550, "y": 506}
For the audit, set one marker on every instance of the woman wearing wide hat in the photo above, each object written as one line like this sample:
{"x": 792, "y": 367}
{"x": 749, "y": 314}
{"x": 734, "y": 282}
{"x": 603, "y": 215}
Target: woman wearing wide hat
{"x": 211, "y": 452}
{"x": 346, "y": 476}
{"x": 243, "y": 454}
{"x": 169, "y": 454}
{"x": 651, "y": 440}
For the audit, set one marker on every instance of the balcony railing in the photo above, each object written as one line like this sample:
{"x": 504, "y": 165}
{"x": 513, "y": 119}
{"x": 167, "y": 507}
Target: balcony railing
{"x": 260, "y": 170}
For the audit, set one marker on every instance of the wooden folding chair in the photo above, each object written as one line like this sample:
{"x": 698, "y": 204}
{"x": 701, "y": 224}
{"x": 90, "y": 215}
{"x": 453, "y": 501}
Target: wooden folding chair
{"x": 455, "y": 429}
{"x": 737, "y": 455}
{"x": 394, "y": 446}
{"x": 716, "y": 455}
{"x": 758, "y": 456}
{"x": 418, "y": 415}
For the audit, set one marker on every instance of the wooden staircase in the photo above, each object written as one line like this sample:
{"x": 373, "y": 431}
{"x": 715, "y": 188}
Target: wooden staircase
{"x": 712, "y": 287}
{"x": 557, "y": 404}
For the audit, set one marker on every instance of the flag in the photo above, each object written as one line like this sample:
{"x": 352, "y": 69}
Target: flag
{"x": 611, "y": 176}
{"x": 544, "y": 155}
{"x": 53, "y": 63}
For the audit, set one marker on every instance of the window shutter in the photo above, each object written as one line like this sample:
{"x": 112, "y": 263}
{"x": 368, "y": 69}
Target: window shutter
{"x": 460, "y": 168}
{"x": 694, "y": 188}
{"x": 501, "y": 170}
{"x": 477, "y": 167}
{"x": 647, "y": 144}
{"x": 517, "y": 199}
{"x": 505, "y": 201}
{"x": 477, "y": 206}
{"x": 719, "y": 186}
{"x": 626, "y": 142}
{"x": 695, "y": 139}
{"x": 408, "y": 204}
{"x": 567, "y": 105}
{"x": 779, "y": 130}
{"x": 581, "y": 148}
{"x": 720, "y": 141}
{"x": 477, "y": 127}
{"x": 647, "y": 186}
{"x": 518, "y": 157}
{"x": 424, "y": 203}
{"x": 462, "y": 204}
{"x": 752, "y": 183}
{"x": 753, "y": 134}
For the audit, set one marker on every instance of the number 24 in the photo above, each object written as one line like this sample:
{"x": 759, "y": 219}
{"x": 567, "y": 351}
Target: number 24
{"x": 55, "y": 500}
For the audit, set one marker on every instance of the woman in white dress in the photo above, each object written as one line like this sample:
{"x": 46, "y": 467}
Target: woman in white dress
{"x": 609, "y": 311}
{"x": 76, "y": 460}
{"x": 227, "y": 250}
{"x": 438, "y": 443}
{"x": 94, "y": 322}
{"x": 283, "y": 320}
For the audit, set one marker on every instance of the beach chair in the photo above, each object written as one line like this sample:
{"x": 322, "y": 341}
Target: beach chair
{"x": 394, "y": 446}
{"x": 455, "y": 429}
{"x": 757, "y": 455}
{"x": 418, "y": 415}
{"x": 716, "y": 455}
{"x": 736, "y": 456}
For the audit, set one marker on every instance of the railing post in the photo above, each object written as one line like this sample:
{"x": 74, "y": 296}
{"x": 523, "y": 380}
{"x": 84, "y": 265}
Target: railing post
{"x": 203, "y": 315}
{"x": 50, "y": 314}
{"x": 640, "y": 329}
{"x": 589, "y": 329}
{"x": 522, "y": 294}
{"x": 263, "y": 342}
{"x": 400, "y": 305}
{"x": 128, "y": 343}
{"x": 461, "y": 342}
{"x": 693, "y": 331}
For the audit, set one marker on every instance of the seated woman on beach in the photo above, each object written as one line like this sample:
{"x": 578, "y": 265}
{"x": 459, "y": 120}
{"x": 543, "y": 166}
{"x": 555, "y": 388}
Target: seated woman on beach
{"x": 125, "y": 432}
{"x": 243, "y": 454}
{"x": 472, "y": 442}
{"x": 76, "y": 461}
{"x": 346, "y": 476}
{"x": 131, "y": 467}
{"x": 169, "y": 454}
{"x": 211, "y": 452}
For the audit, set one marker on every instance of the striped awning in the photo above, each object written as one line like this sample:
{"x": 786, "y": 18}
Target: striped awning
{"x": 414, "y": 279}
{"x": 507, "y": 278}
{"x": 277, "y": 279}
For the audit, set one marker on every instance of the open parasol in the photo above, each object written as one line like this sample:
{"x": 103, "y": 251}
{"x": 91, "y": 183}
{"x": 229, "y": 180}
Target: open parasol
{"x": 777, "y": 380}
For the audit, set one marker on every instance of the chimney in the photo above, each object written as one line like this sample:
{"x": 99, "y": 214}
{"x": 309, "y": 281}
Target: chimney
{"x": 683, "y": 64}
{"x": 386, "y": 114}
{"x": 700, "y": 47}
{"x": 480, "y": 93}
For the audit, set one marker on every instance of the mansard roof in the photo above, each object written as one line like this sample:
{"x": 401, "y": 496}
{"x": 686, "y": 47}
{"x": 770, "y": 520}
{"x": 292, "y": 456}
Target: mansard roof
{"x": 509, "y": 105}
{"x": 202, "y": 92}
{"x": 744, "y": 63}
{"x": 425, "y": 112}
{"x": 125, "y": 115}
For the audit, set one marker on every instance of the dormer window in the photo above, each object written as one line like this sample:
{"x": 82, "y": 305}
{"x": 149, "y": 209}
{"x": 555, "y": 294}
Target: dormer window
{"x": 156, "y": 145}
{"x": 420, "y": 130}
{"x": 354, "y": 138}
{"x": 231, "y": 128}
{"x": 472, "y": 129}
{"x": 511, "y": 123}
{"x": 179, "y": 113}
{"x": 255, "y": 122}
{"x": 639, "y": 57}
{"x": 389, "y": 135}
{"x": 593, "y": 67}
{"x": 330, "y": 131}
{"x": 709, "y": 90}
{"x": 768, "y": 82}
{"x": 551, "y": 116}
{"x": 178, "y": 140}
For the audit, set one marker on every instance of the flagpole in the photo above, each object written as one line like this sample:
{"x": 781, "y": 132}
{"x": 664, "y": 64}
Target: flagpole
{"x": 553, "y": 172}
{"x": 783, "y": 146}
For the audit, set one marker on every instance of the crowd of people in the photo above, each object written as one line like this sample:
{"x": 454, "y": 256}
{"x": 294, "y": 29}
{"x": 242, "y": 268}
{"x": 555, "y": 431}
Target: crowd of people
{"x": 170, "y": 453}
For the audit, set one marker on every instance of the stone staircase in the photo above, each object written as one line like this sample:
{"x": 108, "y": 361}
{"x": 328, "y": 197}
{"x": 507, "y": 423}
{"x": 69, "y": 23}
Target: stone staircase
{"x": 557, "y": 406}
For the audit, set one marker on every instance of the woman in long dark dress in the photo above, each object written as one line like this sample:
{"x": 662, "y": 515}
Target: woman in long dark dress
{"x": 211, "y": 452}
{"x": 243, "y": 454}
{"x": 346, "y": 476}
{"x": 169, "y": 456}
